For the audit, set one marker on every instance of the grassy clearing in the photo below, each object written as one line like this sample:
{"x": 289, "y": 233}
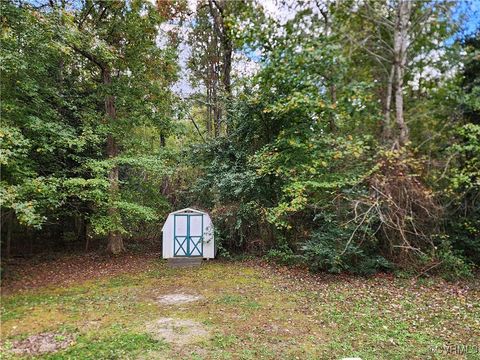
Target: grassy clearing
{"x": 252, "y": 312}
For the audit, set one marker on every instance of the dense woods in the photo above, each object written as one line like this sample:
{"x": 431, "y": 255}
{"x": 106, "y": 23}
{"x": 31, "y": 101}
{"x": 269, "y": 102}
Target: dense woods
{"x": 338, "y": 135}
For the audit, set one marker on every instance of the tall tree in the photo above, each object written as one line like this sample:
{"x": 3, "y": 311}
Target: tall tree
{"x": 92, "y": 17}
{"x": 393, "y": 35}
{"x": 212, "y": 56}
{"x": 401, "y": 40}
{"x": 96, "y": 74}
{"x": 126, "y": 55}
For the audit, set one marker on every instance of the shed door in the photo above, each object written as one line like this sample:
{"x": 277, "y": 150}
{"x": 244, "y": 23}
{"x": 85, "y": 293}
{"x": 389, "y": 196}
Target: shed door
{"x": 188, "y": 235}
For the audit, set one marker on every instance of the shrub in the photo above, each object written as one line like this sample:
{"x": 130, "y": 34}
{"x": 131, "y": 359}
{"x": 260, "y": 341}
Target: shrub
{"x": 330, "y": 250}
{"x": 452, "y": 265}
{"x": 283, "y": 255}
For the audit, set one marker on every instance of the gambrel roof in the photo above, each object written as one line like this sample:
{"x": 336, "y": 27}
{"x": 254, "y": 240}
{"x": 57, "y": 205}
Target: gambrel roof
{"x": 184, "y": 211}
{"x": 188, "y": 210}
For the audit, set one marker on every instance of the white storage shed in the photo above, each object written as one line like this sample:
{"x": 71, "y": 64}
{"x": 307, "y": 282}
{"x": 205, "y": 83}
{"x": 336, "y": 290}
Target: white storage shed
{"x": 188, "y": 233}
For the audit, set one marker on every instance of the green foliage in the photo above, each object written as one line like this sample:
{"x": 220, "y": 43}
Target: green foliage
{"x": 461, "y": 179}
{"x": 463, "y": 189}
{"x": 283, "y": 255}
{"x": 311, "y": 171}
{"x": 53, "y": 132}
{"x": 42, "y": 143}
{"x": 331, "y": 249}
{"x": 467, "y": 177}
{"x": 303, "y": 144}
{"x": 452, "y": 265}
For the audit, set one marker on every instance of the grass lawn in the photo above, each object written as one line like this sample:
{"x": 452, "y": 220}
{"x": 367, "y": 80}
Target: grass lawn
{"x": 249, "y": 311}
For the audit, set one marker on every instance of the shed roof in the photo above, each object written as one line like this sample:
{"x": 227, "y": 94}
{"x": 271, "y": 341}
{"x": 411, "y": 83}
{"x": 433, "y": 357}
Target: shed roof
{"x": 188, "y": 210}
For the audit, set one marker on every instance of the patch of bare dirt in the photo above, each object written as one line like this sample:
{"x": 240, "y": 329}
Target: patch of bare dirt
{"x": 34, "y": 273}
{"x": 177, "y": 331}
{"x": 177, "y": 299}
{"x": 41, "y": 344}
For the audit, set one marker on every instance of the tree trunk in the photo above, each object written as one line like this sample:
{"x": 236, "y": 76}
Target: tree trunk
{"x": 30, "y": 241}
{"x": 400, "y": 52}
{"x": 386, "y": 125}
{"x": 333, "y": 96}
{"x": 86, "y": 236}
{"x": 227, "y": 64}
{"x": 223, "y": 69}
{"x": 115, "y": 240}
{"x": 222, "y": 31}
{"x": 81, "y": 228}
{"x": 216, "y": 108}
{"x": 8, "y": 249}
{"x": 209, "y": 104}
{"x": 227, "y": 69}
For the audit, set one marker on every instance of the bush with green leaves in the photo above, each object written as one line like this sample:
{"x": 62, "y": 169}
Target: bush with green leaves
{"x": 284, "y": 255}
{"x": 334, "y": 247}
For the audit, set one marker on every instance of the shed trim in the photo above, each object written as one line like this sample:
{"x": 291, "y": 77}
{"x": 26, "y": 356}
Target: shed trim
{"x": 188, "y": 209}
